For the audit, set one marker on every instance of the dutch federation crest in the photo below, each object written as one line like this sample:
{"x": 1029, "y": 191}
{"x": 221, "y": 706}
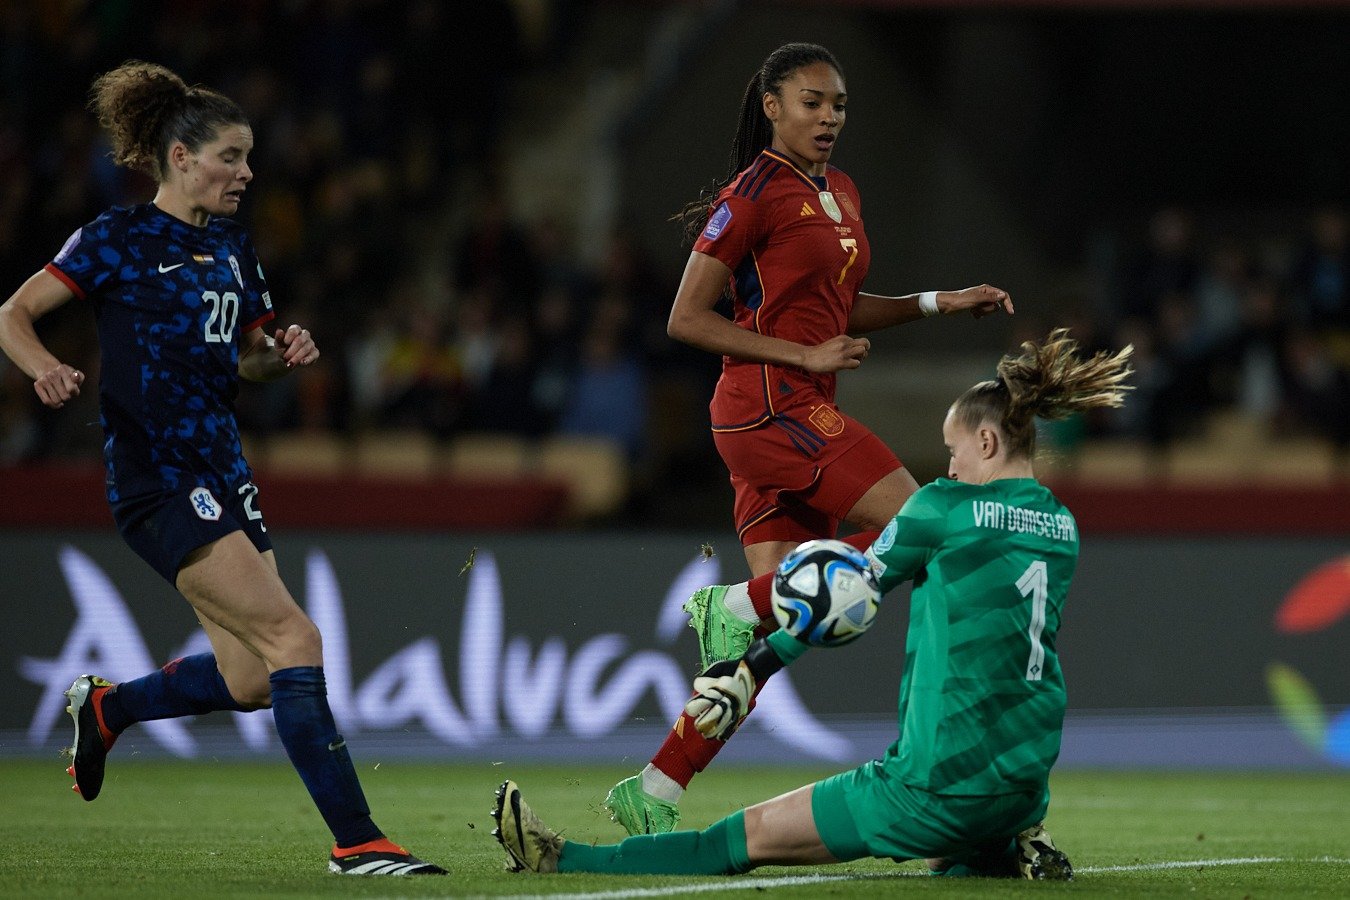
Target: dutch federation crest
{"x": 234, "y": 267}
{"x": 204, "y": 504}
{"x": 831, "y": 208}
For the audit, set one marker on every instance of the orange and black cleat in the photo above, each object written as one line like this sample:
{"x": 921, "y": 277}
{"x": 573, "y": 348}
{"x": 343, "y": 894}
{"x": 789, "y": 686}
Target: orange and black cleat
{"x": 379, "y": 857}
{"x": 92, "y": 738}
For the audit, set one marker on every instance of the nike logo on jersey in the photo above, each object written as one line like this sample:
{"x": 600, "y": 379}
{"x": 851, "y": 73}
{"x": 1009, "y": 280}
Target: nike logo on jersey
{"x": 163, "y": 268}
{"x": 806, "y": 210}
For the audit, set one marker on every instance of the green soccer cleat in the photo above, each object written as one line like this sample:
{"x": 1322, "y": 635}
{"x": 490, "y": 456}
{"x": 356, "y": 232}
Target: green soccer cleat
{"x": 530, "y": 845}
{"x": 1038, "y": 859}
{"x": 721, "y": 633}
{"x": 637, "y": 811}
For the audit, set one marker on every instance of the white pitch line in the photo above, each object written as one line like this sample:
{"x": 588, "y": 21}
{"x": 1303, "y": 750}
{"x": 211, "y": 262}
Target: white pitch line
{"x": 790, "y": 881}
{"x": 1184, "y": 864}
{"x": 1201, "y": 863}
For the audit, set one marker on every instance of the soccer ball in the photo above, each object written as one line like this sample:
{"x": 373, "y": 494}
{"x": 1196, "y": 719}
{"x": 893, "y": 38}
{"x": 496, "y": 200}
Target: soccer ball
{"x": 824, "y": 593}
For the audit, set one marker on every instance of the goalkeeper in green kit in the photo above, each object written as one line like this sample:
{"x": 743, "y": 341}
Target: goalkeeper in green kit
{"x": 966, "y": 786}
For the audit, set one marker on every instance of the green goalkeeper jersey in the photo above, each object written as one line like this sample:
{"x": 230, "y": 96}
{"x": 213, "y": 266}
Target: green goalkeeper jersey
{"x": 982, "y": 698}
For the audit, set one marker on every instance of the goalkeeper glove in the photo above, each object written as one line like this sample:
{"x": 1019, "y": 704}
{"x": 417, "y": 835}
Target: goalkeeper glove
{"x": 721, "y": 698}
{"x": 724, "y": 690}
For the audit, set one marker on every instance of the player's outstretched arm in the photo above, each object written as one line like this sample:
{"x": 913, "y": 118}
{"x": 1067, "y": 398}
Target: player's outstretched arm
{"x": 872, "y": 312}
{"x": 54, "y": 381}
{"x": 264, "y": 358}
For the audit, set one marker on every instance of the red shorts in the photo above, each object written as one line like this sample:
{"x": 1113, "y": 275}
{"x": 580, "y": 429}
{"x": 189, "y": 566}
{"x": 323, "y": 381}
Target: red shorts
{"x": 796, "y": 480}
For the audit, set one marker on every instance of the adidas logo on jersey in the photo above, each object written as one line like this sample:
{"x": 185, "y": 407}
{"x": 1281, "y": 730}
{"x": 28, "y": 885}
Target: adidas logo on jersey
{"x": 806, "y": 210}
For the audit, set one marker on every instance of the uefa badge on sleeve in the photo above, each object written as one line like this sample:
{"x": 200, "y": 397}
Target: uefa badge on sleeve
{"x": 713, "y": 230}
{"x": 204, "y": 504}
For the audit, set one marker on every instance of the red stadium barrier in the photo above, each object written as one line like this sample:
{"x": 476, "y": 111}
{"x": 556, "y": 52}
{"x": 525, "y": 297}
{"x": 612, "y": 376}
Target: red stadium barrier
{"x": 45, "y": 496}
{"x": 72, "y": 496}
{"x": 1163, "y": 509}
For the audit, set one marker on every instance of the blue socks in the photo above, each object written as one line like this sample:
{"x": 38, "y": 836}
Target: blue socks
{"x": 193, "y": 685}
{"x": 307, "y": 731}
{"x": 184, "y": 687}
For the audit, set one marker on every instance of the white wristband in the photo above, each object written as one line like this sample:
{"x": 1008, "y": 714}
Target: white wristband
{"x": 928, "y": 303}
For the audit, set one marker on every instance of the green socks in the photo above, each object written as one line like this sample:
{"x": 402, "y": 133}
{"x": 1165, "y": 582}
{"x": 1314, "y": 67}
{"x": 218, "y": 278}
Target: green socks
{"x": 719, "y": 849}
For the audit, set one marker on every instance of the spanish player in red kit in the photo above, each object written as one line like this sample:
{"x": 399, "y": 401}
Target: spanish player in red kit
{"x": 773, "y": 227}
{"x": 784, "y": 231}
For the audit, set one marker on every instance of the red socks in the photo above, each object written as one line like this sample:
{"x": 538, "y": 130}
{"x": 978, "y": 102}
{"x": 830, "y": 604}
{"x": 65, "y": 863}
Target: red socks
{"x": 685, "y": 752}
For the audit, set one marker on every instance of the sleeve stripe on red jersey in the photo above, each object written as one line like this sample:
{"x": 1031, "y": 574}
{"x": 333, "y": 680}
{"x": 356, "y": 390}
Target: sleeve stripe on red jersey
{"x": 756, "y": 186}
{"x": 749, "y": 175}
{"x": 65, "y": 279}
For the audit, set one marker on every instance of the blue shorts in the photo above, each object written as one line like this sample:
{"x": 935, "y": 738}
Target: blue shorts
{"x": 164, "y": 528}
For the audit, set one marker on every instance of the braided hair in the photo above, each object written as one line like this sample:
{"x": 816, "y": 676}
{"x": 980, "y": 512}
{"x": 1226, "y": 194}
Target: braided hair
{"x": 754, "y": 131}
{"x": 145, "y": 108}
{"x": 1048, "y": 380}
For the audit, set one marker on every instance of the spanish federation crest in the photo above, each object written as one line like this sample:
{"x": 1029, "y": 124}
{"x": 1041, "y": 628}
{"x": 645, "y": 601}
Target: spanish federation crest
{"x": 831, "y": 208}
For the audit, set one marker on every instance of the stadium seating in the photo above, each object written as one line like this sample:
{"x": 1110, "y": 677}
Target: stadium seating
{"x": 594, "y": 470}
{"x": 479, "y": 455}
{"x": 404, "y": 454}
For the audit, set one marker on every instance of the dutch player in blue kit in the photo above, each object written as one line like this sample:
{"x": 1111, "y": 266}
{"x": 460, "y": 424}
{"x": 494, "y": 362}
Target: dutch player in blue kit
{"x": 180, "y": 303}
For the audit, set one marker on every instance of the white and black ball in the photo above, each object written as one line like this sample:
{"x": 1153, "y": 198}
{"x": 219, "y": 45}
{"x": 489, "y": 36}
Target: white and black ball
{"x": 825, "y": 593}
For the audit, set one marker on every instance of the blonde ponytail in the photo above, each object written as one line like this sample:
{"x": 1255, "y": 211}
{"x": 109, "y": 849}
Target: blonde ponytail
{"x": 1049, "y": 380}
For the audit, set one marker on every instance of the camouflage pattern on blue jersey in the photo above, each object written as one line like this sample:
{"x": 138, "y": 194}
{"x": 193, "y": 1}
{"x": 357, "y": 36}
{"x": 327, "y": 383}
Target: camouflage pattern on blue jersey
{"x": 171, "y": 301}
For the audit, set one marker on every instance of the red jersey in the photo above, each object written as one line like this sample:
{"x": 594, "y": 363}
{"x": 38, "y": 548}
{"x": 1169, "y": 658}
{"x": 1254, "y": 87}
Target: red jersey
{"x": 798, "y": 255}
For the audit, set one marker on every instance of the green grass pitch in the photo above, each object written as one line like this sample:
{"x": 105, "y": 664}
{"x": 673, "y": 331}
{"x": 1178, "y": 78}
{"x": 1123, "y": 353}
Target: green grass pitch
{"x": 206, "y": 829}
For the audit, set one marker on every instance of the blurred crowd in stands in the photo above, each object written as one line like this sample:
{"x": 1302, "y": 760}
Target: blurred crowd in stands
{"x": 375, "y": 210}
{"x": 1258, "y": 325}
{"x": 378, "y": 218}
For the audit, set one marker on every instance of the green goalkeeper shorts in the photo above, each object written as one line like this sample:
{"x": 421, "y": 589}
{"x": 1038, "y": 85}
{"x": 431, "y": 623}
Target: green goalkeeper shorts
{"x": 866, "y": 812}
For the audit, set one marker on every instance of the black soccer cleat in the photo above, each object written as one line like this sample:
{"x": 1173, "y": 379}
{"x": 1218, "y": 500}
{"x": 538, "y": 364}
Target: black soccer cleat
{"x": 92, "y": 739}
{"x": 379, "y": 857}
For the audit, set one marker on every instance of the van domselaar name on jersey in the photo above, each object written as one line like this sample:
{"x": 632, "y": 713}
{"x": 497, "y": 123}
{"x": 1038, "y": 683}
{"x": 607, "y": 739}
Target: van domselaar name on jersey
{"x": 1019, "y": 519}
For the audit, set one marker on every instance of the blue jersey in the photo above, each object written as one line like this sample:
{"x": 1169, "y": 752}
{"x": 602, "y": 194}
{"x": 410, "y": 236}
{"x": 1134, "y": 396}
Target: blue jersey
{"x": 171, "y": 300}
